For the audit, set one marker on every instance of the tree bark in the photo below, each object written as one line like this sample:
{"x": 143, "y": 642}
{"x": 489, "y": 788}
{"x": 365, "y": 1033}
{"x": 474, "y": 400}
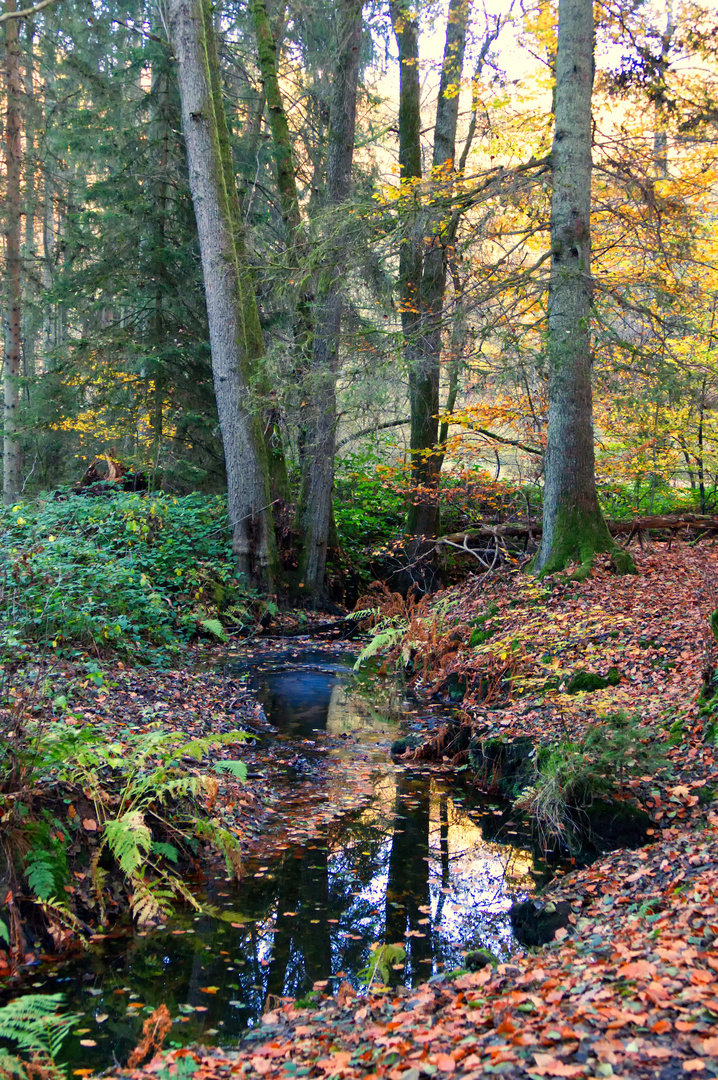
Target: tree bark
{"x": 573, "y": 525}
{"x": 13, "y": 295}
{"x": 235, "y": 334}
{"x": 422, "y": 270}
{"x": 320, "y": 449}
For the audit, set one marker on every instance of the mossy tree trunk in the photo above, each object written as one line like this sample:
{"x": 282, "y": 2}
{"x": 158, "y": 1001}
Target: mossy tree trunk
{"x": 236, "y": 339}
{"x": 573, "y": 524}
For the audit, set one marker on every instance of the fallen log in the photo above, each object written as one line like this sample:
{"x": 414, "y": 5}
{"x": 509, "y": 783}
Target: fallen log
{"x": 704, "y": 523}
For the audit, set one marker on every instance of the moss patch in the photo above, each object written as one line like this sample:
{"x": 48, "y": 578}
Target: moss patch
{"x": 587, "y": 681}
{"x": 579, "y": 536}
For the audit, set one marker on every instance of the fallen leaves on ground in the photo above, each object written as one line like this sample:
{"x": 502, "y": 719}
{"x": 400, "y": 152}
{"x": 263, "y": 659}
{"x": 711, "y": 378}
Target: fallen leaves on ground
{"x": 631, "y": 991}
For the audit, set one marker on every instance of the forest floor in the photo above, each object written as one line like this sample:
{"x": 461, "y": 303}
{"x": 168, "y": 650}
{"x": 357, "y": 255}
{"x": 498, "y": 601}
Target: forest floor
{"x": 629, "y": 987}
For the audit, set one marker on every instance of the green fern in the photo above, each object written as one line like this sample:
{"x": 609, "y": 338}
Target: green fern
{"x": 4, "y": 932}
{"x": 215, "y": 628}
{"x": 129, "y": 782}
{"x": 33, "y": 1024}
{"x": 385, "y": 638}
{"x": 40, "y": 875}
{"x": 165, "y": 851}
{"x": 238, "y": 769}
{"x": 130, "y": 841}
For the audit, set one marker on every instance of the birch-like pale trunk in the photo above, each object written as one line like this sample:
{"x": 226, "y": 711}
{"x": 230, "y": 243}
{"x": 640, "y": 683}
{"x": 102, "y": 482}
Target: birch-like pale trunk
{"x": 573, "y": 525}
{"x": 13, "y": 267}
{"x": 235, "y": 333}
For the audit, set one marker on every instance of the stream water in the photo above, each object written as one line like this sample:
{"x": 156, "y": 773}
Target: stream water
{"x": 422, "y": 862}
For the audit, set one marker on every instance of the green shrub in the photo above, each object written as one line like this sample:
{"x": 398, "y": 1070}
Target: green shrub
{"x": 127, "y": 573}
{"x": 368, "y": 511}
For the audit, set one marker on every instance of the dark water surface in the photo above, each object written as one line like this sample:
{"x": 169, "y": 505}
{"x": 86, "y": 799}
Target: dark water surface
{"x": 419, "y": 864}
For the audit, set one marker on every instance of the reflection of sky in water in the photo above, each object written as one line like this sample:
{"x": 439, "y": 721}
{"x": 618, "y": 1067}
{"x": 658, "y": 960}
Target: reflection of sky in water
{"x": 412, "y": 867}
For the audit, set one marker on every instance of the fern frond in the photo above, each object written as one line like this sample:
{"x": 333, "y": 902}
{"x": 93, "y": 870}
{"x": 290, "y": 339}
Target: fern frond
{"x": 149, "y": 902}
{"x": 40, "y": 875}
{"x": 130, "y": 840}
{"x": 33, "y": 1023}
{"x": 197, "y": 748}
{"x": 11, "y": 1066}
{"x": 54, "y": 908}
{"x": 165, "y": 851}
{"x": 238, "y": 769}
{"x": 384, "y": 639}
{"x": 223, "y": 841}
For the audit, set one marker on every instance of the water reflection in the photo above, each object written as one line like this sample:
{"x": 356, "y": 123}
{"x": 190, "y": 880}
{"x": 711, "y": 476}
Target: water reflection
{"x": 413, "y": 867}
{"x": 419, "y": 864}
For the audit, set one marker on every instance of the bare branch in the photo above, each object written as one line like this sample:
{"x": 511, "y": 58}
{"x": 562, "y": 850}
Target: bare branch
{"x": 26, "y": 13}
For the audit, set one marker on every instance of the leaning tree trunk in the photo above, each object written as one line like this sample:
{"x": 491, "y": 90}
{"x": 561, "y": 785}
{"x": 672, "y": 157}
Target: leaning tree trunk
{"x": 13, "y": 267}
{"x": 320, "y": 449}
{"x": 235, "y": 334}
{"x": 573, "y": 525}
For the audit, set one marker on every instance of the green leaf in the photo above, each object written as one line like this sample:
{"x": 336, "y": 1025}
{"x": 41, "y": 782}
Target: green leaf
{"x": 238, "y": 769}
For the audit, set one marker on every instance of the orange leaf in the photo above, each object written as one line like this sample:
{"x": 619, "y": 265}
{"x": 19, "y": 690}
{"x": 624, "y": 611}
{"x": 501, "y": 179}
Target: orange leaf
{"x": 547, "y": 1065}
{"x": 694, "y": 1065}
{"x": 445, "y": 1063}
{"x": 661, "y": 1026}
{"x": 637, "y": 969}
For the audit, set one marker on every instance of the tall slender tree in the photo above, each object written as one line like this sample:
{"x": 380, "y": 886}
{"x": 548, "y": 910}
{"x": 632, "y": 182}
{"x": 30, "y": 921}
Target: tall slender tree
{"x": 318, "y": 466}
{"x": 573, "y": 524}
{"x": 13, "y": 290}
{"x": 235, "y": 333}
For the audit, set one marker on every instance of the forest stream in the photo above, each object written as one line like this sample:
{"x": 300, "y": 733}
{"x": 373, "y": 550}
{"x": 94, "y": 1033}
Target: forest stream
{"x": 423, "y": 860}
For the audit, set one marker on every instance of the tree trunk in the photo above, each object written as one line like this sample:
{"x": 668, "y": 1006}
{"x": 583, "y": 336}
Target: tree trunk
{"x": 160, "y": 129}
{"x": 13, "y": 295}
{"x": 573, "y": 525}
{"x": 423, "y": 273}
{"x": 320, "y": 448}
{"x": 30, "y": 202}
{"x": 235, "y": 334}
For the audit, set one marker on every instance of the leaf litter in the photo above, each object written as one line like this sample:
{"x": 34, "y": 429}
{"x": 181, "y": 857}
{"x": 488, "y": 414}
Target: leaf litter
{"x": 629, "y": 987}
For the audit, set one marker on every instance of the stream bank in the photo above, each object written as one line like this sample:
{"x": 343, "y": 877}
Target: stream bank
{"x": 343, "y": 851}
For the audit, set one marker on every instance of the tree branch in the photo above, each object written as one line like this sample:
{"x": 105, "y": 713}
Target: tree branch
{"x": 370, "y": 431}
{"x": 26, "y": 13}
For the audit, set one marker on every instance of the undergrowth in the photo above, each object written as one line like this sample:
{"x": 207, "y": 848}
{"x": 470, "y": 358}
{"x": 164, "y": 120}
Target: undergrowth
{"x": 571, "y": 776}
{"x": 87, "y": 820}
{"x": 129, "y": 574}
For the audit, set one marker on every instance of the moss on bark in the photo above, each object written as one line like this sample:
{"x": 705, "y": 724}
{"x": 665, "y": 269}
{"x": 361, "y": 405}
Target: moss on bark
{"x": 578, "y": 537}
